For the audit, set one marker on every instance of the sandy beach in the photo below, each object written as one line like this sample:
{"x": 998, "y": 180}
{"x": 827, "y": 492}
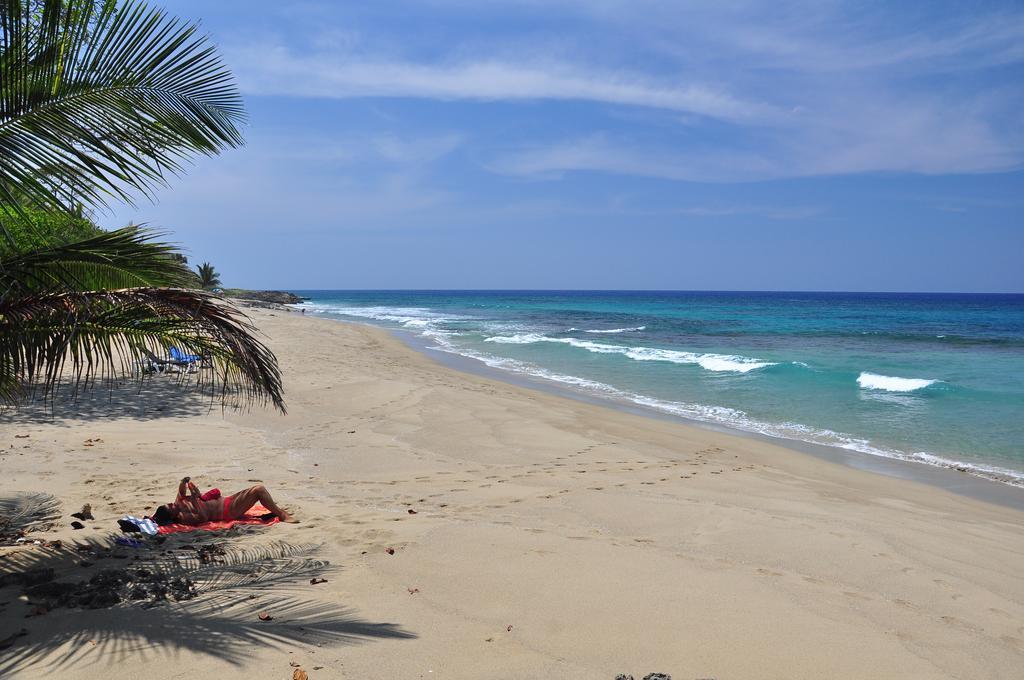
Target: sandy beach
{"x": 469, "y": 528}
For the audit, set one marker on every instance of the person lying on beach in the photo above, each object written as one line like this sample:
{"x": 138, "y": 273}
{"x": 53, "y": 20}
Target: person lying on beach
{"x": 193, "y": 510}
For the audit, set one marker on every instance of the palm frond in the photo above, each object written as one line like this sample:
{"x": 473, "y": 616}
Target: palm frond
{"x": 125, "y": 258}
{"x": 98, "y": 104}
{"x": 106, "y": 334}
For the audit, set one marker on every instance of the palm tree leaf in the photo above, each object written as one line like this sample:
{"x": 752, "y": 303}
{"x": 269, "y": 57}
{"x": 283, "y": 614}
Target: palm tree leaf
{"x": 106, "y": 334}
{"x": 99, "y": 104}
{"x": 124, "y": 258}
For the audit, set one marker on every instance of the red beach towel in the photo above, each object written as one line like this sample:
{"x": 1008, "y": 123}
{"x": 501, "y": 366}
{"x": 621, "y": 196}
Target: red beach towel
{"x": 252, "y": 516}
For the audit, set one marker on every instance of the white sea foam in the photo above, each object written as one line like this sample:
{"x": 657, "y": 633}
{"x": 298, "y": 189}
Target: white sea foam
{"x": 874, "y": 381}
{"x": 413, "y": 318}
{"x": 709, "y": 362}
{"x": 616, "y": 330}
{"x": 518, "y": 339}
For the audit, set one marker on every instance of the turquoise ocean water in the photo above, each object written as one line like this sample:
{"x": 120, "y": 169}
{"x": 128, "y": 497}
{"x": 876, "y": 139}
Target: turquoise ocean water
{"x": 931, "y": 378}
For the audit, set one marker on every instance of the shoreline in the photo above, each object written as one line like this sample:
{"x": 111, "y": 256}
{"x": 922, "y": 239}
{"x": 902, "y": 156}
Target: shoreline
{"x": 468, "y": 527}
{"x": 977, "y": 486}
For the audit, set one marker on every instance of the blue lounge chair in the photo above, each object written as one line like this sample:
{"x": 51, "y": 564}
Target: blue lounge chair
{"x": 177, "y": 355}
{"x": 154, "y": 364}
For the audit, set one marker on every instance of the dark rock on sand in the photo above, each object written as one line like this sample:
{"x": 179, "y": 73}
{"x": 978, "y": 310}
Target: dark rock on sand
{"x": 657, "y": 676}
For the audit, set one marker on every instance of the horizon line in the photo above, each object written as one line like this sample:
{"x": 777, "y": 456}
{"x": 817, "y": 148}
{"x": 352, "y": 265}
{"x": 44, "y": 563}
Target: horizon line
{"x": 638, "y": 290}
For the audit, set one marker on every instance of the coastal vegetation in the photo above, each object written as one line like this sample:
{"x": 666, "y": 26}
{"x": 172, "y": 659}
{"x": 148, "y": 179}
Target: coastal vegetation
{"x": 102, "y": 102}
{"x": 208, "y": 276}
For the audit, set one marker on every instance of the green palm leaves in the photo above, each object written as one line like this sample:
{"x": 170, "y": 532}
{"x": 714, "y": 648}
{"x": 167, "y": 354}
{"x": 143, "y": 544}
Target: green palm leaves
{"x": 208, "y": 276}
{"x": 100, "y": 103}
{"x": 103, "y": 102}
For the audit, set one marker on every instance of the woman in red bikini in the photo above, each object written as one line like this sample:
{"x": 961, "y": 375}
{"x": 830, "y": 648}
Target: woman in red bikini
{"x": 193, "y": 509}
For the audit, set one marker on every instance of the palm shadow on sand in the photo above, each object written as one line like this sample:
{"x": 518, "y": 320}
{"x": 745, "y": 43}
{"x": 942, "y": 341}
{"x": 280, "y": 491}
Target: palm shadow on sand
{"x": 222, "y": 621}
{"x": 153, "y": 397}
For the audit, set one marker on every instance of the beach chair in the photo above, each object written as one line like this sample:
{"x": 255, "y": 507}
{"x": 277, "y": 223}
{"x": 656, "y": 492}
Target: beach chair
{"x": 178, "y": 355}
{"x": 196, "y": 360}
{"x": 158, "y": 365}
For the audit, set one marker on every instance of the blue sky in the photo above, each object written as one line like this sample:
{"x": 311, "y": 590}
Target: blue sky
{"x": 604, "y": 144}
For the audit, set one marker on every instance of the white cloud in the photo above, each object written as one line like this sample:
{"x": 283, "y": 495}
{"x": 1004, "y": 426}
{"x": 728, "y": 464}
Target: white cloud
{"x": 376, "y": 149}
{"x": 794, "y": 89}
{"x": 898, "y": 134}
{"x": 280, "y": 71}
{"x": 598, "y": 153}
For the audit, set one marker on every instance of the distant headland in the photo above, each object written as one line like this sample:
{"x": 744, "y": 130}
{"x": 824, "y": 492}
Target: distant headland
{"x": 274, "y": 296}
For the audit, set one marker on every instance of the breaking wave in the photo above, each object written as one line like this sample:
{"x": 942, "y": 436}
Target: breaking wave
{"x": 618, "y": 330}
{"x": 874, "y": 381}
{"x": 709, "y": 362}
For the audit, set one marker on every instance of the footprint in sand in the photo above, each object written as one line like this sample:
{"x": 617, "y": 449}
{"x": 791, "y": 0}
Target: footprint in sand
{"x": 958, "y": 623}
{"x": 856, "y": 595}
{"x": 1013, "y": 642}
